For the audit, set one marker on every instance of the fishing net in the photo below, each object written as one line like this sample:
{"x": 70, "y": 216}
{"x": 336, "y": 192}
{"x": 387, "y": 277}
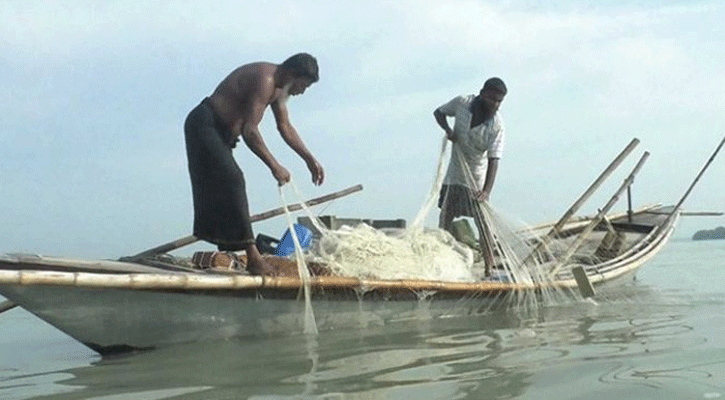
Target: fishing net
{"x": 425, "y": 253}
{"x": 413, "y": 253}
{"x": 500, "y": 251}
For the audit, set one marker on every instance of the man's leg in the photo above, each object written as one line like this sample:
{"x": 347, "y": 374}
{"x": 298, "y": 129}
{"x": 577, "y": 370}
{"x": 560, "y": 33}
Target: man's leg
{"x": 445, "y": 219}
{"x": 240, "y": 225}
{"x": 255, "y": 262}
{"x": 485, "y": 238}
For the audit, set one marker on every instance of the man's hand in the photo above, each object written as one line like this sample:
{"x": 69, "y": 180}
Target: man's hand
{"x": 318, "y": 174}
{"x": 482, "y": 195}
{"x": 281, "y": 174}
{"x": 450, "y": 135}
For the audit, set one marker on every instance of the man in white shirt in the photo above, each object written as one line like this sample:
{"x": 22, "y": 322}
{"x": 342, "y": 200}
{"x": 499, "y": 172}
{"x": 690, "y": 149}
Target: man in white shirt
{"x": 478, "y": 139}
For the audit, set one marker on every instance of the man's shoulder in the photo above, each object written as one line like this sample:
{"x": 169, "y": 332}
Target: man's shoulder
{"x": 498, "y": 122}
{"x": 257, "y": 66}
{"x": 256, "y": 71}
{"x": 254, "y": 78}
{"x": 465, "y": 99}
{"x": 461, "y": 101}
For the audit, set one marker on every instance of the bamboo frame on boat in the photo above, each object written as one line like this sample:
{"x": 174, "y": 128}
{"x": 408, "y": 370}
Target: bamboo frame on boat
{"x": 592, "y": 188}
{"x": 555, "y": 229}
{"x": 236, "y": 282}
{"x": 600, "y": 215}
{"x": 697, "y": 178}
{"x": 586, "y": 218}
{"x": 32, "y": 276}
{"x": 187, "y": 240}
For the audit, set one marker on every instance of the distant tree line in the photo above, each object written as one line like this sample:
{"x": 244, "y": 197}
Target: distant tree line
{"x": 717, "y": 233}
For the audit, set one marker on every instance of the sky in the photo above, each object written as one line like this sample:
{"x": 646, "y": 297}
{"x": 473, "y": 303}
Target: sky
{"x": 94, "y": 97}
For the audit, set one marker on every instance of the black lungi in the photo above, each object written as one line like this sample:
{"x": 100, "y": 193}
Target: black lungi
{"x": 459, "y": 200}
{"x": 221, "y": 209}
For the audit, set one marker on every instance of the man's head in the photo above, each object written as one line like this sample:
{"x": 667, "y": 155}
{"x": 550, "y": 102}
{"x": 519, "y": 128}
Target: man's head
{"x": 492, "y": 94}
{"x": 302, "y": 71}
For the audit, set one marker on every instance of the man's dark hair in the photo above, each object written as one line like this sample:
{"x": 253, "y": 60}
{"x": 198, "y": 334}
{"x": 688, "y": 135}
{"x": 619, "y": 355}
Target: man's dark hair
{"x": 495, "y": 84}
{"x": 302, "y": 65}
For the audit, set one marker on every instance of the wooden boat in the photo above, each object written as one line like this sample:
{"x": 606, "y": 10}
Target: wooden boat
{"x": 113, "y": 306}
{"x": 153, "y": 300}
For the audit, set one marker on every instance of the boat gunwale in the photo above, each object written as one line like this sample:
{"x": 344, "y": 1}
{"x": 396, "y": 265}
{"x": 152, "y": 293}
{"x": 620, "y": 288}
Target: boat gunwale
{"x": 601, "y": 273}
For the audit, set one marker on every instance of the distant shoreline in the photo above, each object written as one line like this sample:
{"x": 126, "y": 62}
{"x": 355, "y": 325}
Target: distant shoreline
{"x": 717, "y": 233}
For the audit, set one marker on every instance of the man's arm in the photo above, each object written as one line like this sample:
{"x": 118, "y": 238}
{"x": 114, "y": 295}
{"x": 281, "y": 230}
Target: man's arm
{"x": 442, "y": 121}
{"x": 491, "y": 171}
{"x": 248, "y": 128}
{"x": 293, "y": 140}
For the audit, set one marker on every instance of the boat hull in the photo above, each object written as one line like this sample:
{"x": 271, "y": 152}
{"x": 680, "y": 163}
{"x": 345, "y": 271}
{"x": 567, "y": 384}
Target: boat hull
{"x": 113, "y": 306}
{"x": 119, "y": 320}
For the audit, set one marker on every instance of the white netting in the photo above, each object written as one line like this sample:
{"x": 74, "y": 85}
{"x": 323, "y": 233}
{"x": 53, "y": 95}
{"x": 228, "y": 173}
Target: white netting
{"x": 430, "y": 253}
{"x": 363, "y": 251}
{"x": 413, "y": 253}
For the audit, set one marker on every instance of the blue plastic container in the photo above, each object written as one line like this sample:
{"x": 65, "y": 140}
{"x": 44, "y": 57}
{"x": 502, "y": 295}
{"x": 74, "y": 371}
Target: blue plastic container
{"x": 286, "y": 245}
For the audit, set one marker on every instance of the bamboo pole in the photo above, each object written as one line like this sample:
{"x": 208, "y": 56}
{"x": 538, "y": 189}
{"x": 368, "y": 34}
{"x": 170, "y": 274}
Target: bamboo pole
{"x": 694, "y": 182}
{"x": 311, "y": 202}
{"x": 690, "y": 213}
{"x": 187, "y": 240}
{"x": 583, "y": 198}
{"x": 581, "y": 219}
{"x": 191, "y": 281}
{"x": 585, "y": 233}
{"x": 7, "y": 305}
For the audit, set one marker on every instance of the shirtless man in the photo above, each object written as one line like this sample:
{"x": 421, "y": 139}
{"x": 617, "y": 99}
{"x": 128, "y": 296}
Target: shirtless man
{"x": 212, "y": 129}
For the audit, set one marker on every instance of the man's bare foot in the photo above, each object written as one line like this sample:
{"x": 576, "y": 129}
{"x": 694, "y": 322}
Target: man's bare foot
{"x": 260, "y": 268}
{"x": 256, "y": 265}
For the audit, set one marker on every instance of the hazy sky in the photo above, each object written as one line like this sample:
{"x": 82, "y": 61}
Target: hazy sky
{"x": 94, "y": 96}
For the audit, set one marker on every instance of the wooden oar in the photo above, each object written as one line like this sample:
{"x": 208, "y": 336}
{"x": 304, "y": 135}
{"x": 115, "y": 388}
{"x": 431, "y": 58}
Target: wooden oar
{"x": 7, "y": 305}
{"x": 187, "y": 240}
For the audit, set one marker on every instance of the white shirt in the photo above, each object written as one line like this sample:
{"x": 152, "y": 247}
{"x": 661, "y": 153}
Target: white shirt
{"x": 476, "y": 144}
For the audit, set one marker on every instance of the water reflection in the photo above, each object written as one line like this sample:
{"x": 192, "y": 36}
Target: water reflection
{"x": 574, "y": 348}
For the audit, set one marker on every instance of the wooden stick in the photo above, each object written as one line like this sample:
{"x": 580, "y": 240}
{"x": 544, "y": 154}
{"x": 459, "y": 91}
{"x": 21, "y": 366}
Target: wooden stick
{"x": 585, "y": 233}
{"x": 690, "y": 213}
{"x": 582, "y": 281}
{"x": 187, "y": 240}
{"x": 584, "y": 197}
{"x": 584, "y": 218}
{"x": 692, "y": 185}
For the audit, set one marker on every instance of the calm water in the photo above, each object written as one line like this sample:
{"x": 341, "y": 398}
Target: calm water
{"x": 659, "y": 338}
